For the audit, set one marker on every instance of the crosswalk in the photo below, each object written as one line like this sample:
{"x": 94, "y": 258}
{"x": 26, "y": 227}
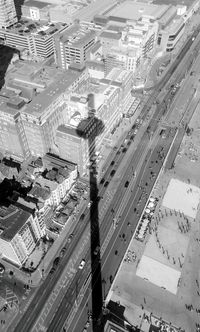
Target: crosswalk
{"x": 11, "y": 297}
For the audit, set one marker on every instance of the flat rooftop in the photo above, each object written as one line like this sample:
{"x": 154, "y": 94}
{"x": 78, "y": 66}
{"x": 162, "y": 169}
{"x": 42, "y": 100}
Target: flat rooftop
{"x": 11, "y": 221}
{"x": 37, "y": 4}
{"x": 132, "y": 10}
{"x": 64, "y": 80}
{"x": 76, "y": 35}
{"x": 26, "y": 27}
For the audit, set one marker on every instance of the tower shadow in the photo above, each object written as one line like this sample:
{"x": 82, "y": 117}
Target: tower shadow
{"x": 89, "y": 129}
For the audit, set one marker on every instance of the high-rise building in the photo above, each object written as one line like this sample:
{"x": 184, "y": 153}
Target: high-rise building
{"x": 8, "y": 14}
{"x": 47, "y": 111}
{"x": 73, "y": 45}
{"x": 72, "y": 147}
{"x": 12, "y": 135}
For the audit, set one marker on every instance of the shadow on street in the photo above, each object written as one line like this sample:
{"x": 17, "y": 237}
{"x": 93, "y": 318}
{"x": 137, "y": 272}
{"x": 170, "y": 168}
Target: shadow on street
{"x": 90, "y": 129}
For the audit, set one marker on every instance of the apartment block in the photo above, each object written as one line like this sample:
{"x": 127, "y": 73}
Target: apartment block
{"x": 8, "y": 14}
{"x": 12, "y": 135}
{"x": 34, "y": 37}
{"x": 73, "y": 45}
{"x": 18, "y": 234}
{"x": 72, "y": 147}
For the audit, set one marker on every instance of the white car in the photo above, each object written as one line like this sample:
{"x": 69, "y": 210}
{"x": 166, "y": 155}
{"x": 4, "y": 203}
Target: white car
{"x": 82, "y": 264}
{"x": 89, "y": 204}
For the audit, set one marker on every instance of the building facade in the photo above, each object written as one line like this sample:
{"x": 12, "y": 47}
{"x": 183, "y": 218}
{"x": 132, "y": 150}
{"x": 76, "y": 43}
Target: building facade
{"x": 72, "y": 147}
{"x": 8, "y": 14}
{"x": 47, "y": 111}
{"x": 170, "y": 35}
{"x": 12, "y": 135}
{"x": 73, "y": 45}
{"x": 36, "y": 40}
{"x": 20, "y": 232}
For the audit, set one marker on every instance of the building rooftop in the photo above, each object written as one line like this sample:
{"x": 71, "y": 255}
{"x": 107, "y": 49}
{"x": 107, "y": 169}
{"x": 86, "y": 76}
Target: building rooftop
{"x": 167, "y": 16}
{"x": 118, "y": 75}
{"x": 110, "y": 35}
{"x": 76, "y": 35}
{"x": 39, "y": 29}
{"x": 67, "y": 130}
{"x": 42, "y": 194}
{"x": 11, "y": 221}
{"x": 133, "y": 10}
{"x": 95, "y": 47}
{"x": 63, "y": 81}
{"x": 52, "y": 161}
{"x": 36, "y": 4}
{"x": 174, "y": 25}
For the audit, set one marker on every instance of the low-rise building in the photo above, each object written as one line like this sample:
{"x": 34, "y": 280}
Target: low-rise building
{"x": 18, "y": 234}
{"x": 58, "y": 177}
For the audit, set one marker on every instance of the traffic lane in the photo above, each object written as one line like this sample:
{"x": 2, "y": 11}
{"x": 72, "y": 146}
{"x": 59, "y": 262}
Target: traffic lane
{"x": 58, "y": 318}
{"x": 44, "y": 292}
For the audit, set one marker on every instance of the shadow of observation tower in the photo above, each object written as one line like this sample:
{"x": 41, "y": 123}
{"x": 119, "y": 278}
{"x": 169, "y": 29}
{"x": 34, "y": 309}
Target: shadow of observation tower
{"x": 90, "y": 129}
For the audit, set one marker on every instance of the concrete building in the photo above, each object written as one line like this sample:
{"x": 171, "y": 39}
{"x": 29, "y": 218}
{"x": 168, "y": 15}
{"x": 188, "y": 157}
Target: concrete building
{"x": 73, "y": 45}
{"x": 69, "y": 11}
{"x": 18, "y": 234}
{"x": 8, "y": 14}
{"x": 109, "y": 39}
{"x": 35, "y": 10}
{"x": 58, "y": 179}
{"x": 72, "y": 147}
{"x": 36, "y": 38}
{"x": 125, "y": 49}
{"x": 47, "y": 111}
{"x": 33, "y": 104}
{"x": 171, "y": 34}
{"x": 12, "y": 135}
{"x": 124, "y": 80}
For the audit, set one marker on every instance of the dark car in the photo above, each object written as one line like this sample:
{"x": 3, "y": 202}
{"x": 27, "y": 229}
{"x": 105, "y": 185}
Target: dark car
{"x": 56, "y": 261}
{"x": 62, "y": 252}
{"x": 82, "y": 216}
{"x": 102, "y": 181}
{"x": 126, "y": 184}
{"x": 112, "y": 163}
{"x": 70, "y": 237}
{"x": 52, "y": 270}
{"x": 112, "y": 172}
{"x": 106, "y": 184}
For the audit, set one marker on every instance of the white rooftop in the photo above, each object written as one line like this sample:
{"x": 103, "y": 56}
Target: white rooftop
{"x": 133, "y": 10}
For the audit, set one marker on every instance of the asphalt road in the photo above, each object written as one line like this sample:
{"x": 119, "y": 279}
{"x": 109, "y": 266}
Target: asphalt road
{"x": 29, "y": 318}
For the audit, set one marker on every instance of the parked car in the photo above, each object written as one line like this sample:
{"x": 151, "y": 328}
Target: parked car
{"x": 82, "y": 264}
{"x": 70, "y": 237}
{"x": 96, "y": 250}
